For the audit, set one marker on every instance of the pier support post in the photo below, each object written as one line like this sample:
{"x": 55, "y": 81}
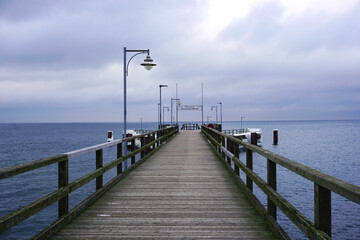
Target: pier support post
{"x": 322, "y": 208}
{"x": 119, "y": 155}
{"x": 271, "y": 180}
{"x": 99, "y": 164}
{"x": 253, "y": 138}
{"x": 63, "y": 178}
{"x": 275, "y": 137}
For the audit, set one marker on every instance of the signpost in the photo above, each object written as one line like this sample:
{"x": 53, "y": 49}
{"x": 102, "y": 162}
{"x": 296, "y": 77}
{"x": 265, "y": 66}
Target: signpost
{"x": 190, "y": 107}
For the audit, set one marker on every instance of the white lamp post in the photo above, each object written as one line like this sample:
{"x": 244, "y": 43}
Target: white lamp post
{"x": 161, "y": 86}
{"x": 173, "y": 99}
{"x": 220, "y": 113}
{"x": 167, "y": 108}
{"x": 241, "y": 121}
{"x": 148, "y": 64}
{"x": 212, "y": 107}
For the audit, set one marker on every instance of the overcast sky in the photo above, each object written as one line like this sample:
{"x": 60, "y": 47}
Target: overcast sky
{"x": 62, "y": 61}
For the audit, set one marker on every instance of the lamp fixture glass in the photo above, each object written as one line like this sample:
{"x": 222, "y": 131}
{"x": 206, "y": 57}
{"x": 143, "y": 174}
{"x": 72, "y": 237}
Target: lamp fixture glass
{"x": 148, "y": 63}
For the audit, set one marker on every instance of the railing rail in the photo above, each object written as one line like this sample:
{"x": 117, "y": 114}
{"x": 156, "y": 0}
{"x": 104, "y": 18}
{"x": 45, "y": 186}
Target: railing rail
{"x": 150, "y": 140}
{"x": 227, "y": 147}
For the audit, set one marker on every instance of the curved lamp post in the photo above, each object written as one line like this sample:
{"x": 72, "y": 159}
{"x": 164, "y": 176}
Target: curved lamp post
{"x": 148, "y": 64}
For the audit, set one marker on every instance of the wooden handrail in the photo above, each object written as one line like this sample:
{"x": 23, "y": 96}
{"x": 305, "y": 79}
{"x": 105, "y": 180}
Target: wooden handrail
{"x": 323, "y": 184}
{"x": 65, "y": 188}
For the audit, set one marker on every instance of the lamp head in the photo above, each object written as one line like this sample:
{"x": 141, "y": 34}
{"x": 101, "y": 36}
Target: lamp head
{"x": 148, "y": 63}
{"x": 161, "y": 85}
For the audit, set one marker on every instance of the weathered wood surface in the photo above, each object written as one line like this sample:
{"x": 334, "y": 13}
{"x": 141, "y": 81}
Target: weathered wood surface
{"x": 183, "y": 191}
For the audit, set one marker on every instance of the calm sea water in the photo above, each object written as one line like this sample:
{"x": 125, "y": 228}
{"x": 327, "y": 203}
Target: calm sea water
{"x": 329, "y": 146}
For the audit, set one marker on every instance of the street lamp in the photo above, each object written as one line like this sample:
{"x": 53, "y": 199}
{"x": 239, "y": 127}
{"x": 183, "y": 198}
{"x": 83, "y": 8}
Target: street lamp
{"x": 220, "y": 112}
{"x": 173, "y": 99}
{"x": 212, "y": 107}
{"x": 164, "y": 107}
{"x": 141, "y": 124}
{"x": 148, "y": 64}
{"x": 161, "y": 86}
{"x": 178, "y": 104}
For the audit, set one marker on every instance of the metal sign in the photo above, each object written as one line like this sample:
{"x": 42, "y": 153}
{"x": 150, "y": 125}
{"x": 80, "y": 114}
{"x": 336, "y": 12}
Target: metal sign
{"x": 189, "y": 107}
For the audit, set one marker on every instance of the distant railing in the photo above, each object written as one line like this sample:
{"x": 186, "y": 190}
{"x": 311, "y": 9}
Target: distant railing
{"x": 227, "y": 148}
{"x": 141, "y": 131}
{"x": 190, "y": 126}
{"x": 235, "y": 131}
{"x": 149, "y": 141}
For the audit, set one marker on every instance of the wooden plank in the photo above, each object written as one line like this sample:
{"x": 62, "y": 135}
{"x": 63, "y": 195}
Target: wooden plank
{"x": 182, "y": 191}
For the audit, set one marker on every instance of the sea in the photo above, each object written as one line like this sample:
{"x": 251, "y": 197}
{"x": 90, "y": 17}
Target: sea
{"x": 332, "y": 147}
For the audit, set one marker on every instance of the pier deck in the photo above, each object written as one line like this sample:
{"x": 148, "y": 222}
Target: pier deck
{"x": 182, "y": 191}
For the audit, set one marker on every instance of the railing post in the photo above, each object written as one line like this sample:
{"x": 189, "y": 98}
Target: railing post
{"x": 322, "y": 208}
{"x": 160, "y": 134}
{"x": 132, "y": 150}
{"x": 271, "y": 180}
{"x": 119, "y": 155}
{"x": 217, "y": 139}
{"x": 99, "y": 164}
{"x": 142, "y": 141}
{"x": 236, "y": 154}
{"x": 152, "y": 138}
{"x": 249, "y": 164}
{"x": 228, "y": 147}
{"x": 156, "y": 139}
{"x": 222, "y": 139}
{"x": 63, "y": 180}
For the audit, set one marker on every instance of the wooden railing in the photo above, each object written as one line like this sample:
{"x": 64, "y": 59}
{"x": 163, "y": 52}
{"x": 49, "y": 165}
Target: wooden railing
{"x": 227, "y": 148}
{"x": 154, "y": 140}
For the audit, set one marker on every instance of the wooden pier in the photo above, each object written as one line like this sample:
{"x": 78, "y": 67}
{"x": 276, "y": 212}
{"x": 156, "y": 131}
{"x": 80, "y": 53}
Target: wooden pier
{"x": 185, "y": 185}
{"x": 182, "y": 191}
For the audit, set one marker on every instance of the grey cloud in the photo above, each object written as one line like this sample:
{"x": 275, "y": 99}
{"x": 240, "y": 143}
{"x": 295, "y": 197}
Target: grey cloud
{"x": 83, "y": 34}
{"x": 312, "y": 31}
